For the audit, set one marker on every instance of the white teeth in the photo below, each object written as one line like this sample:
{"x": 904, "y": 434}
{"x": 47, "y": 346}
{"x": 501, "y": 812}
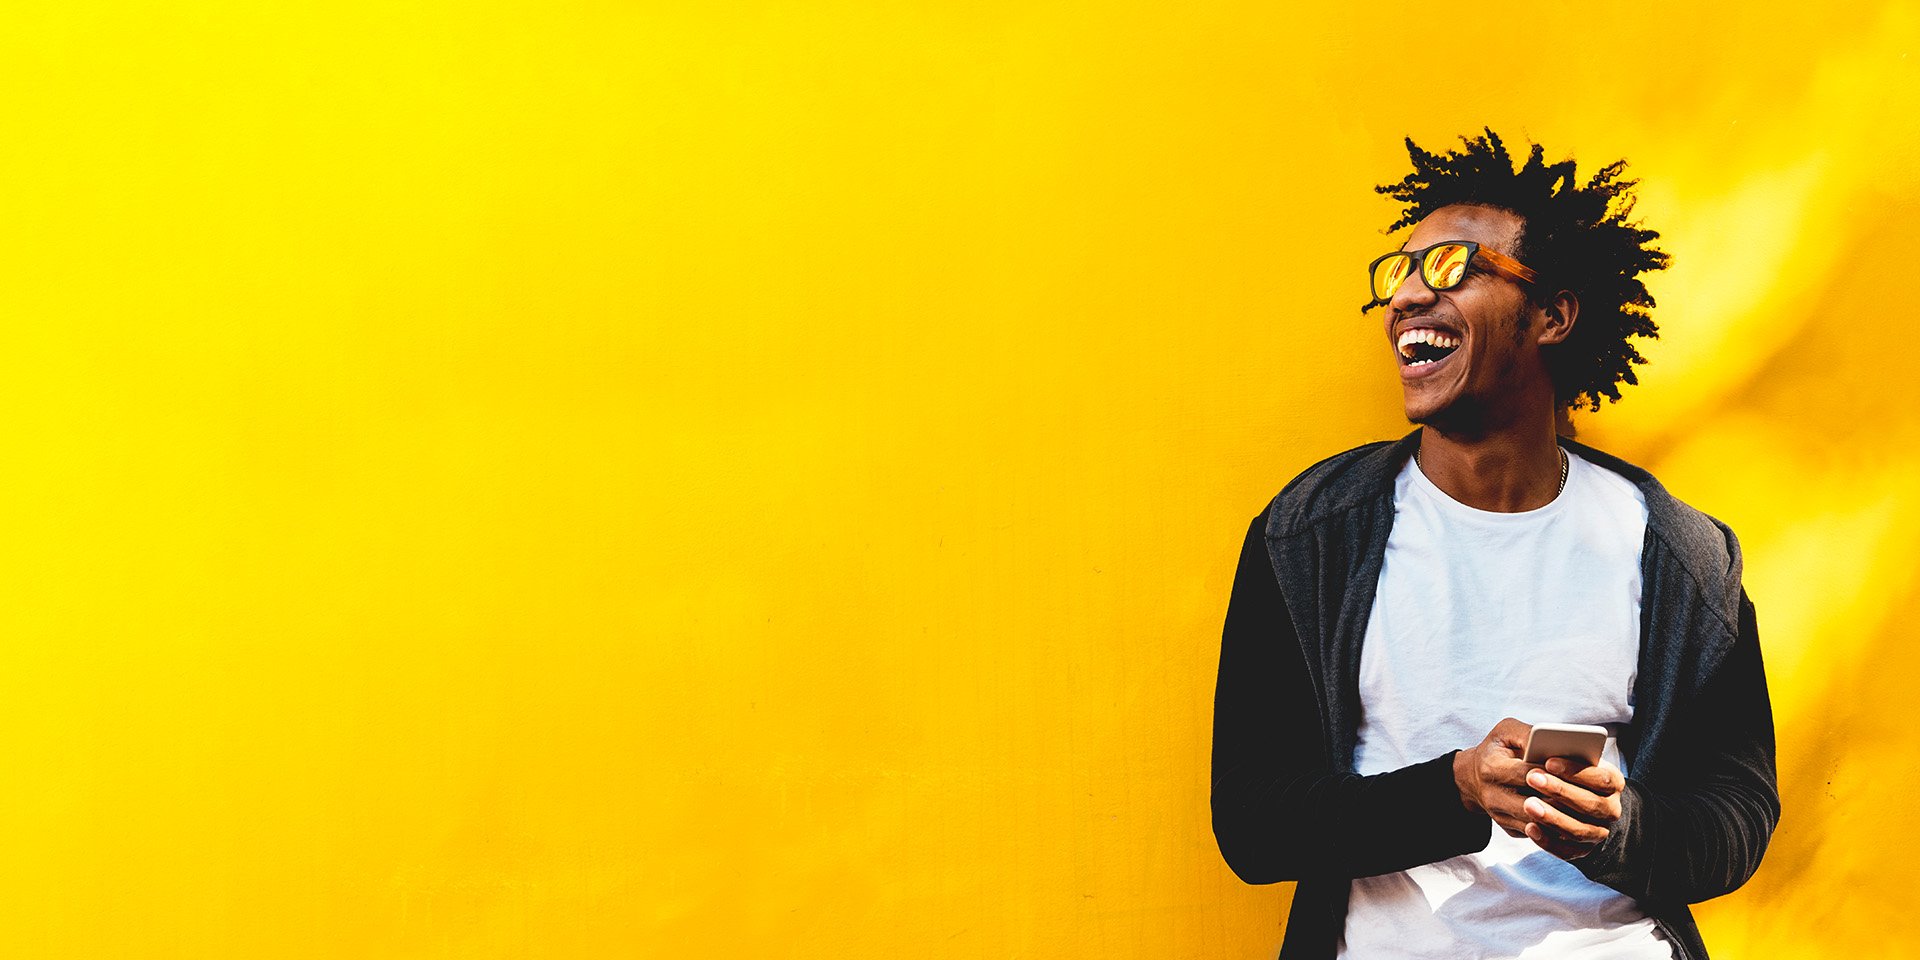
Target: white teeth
{"x": 1425, "y": 335}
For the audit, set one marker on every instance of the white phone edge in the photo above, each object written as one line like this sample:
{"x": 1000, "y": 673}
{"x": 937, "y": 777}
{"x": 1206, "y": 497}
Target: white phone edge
{"x": 1562, "y": 737}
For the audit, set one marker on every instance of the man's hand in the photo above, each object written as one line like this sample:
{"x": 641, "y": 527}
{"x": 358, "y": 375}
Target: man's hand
{"x": 1575, "y": 807}
{"x": 1493, "y": 779}
{"x": 1565, "y": 809}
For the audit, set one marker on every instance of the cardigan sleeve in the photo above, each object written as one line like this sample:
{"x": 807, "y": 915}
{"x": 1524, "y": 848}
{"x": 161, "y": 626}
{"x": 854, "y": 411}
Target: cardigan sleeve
{"x": 1700, "y": 832}
{"x": 1281, "y": 811}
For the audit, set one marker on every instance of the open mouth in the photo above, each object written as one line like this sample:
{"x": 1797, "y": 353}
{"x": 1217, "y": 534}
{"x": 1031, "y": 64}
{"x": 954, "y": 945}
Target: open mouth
{"x": 1423, "y": 345}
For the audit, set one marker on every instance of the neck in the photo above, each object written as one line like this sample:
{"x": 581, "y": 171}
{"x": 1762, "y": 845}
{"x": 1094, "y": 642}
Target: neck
{"x": 1505, "y": 470}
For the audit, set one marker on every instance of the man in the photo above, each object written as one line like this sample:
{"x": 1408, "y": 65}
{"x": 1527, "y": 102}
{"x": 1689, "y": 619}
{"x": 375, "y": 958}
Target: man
{"x": 1404, "y": 611}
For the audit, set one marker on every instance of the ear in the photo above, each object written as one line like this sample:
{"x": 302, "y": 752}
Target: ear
{"x": 1557, "y": 317}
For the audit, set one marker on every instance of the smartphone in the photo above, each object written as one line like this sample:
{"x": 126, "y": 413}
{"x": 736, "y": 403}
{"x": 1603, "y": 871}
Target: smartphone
{"x": 1573, "y": 740}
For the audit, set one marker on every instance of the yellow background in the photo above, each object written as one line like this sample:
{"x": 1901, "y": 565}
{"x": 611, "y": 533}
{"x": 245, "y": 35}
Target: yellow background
{"x": 690, "y": 480}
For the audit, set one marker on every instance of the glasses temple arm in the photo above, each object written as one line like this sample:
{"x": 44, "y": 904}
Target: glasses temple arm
{"x": 1501, "y": 261}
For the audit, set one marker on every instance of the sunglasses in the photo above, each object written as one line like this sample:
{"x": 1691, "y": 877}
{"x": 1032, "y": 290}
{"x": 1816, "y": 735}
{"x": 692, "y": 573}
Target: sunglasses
{"x": 1443, "y": 266}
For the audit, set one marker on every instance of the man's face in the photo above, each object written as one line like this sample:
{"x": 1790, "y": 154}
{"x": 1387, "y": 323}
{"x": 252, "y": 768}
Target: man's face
{"x": 1479, "y": 381}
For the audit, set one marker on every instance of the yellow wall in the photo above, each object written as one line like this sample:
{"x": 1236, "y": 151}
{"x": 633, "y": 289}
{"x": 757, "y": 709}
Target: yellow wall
{"x": 687, "y": 480}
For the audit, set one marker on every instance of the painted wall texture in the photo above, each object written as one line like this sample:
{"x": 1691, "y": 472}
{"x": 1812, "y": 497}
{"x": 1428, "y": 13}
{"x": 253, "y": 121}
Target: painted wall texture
{"x": 708, "y": 480}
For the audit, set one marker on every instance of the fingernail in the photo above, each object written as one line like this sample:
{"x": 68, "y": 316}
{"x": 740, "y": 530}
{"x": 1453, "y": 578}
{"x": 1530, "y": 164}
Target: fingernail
{"x": 1536, "y": 779}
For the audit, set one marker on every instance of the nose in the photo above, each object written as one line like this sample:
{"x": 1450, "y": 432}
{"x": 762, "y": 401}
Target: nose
{"x": 1412, "y": 295}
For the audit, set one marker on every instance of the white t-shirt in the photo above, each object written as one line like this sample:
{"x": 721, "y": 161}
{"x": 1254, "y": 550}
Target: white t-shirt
{"x": 1480, "y": 616}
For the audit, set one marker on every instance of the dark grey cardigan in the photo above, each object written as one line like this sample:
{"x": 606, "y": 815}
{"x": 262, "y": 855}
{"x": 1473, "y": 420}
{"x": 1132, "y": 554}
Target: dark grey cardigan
{"x": 1696, "y": 815}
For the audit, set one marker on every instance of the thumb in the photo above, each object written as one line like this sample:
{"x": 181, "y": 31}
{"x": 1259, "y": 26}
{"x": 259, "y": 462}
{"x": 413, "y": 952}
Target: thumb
{"x": 1512, "y": 734}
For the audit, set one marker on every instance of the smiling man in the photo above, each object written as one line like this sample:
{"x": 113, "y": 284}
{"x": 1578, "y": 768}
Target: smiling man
{"x": 1404, "y": 612}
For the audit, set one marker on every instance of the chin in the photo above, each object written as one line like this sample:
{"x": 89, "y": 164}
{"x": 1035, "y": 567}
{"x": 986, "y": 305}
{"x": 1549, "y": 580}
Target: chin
{"x": 1424, "y": 410}
{"x": 1461, "y": 417}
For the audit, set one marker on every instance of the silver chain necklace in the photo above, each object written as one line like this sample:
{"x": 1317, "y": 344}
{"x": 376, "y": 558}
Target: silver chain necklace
{"x": 1556, "y": 490}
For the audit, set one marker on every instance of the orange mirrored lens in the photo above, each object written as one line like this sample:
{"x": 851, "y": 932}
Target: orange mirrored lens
{"x": 1389, "y": 274}
{"x": 1445, "y": 266}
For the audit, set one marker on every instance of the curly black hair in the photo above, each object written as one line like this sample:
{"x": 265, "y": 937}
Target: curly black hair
{"x": 1576, "y": 237}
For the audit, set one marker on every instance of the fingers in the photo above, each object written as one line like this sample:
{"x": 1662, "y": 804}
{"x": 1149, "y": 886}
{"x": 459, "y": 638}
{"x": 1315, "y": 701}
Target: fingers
{"x": 1601, "y": 778}
{"x": 1576, "y": 800}
{"x": 1556, "y": 824}
{"x": 1555, "y": 844}
{"x": 1506, "y": 807}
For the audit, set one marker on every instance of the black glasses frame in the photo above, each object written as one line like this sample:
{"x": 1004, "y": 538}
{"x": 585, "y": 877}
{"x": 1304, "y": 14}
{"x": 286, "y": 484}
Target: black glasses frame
{"x": 1492, "y": 261}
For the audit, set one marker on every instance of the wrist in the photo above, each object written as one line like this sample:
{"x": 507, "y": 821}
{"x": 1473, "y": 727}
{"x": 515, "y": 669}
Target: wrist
{"x": 1463, "y": 781}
